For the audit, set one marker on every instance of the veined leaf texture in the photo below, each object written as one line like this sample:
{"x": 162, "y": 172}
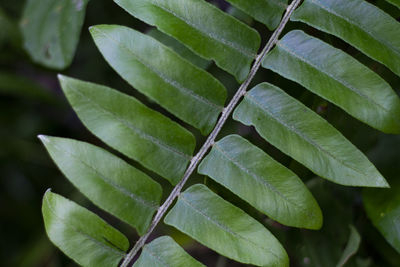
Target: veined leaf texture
{"x": 169, "y": 69}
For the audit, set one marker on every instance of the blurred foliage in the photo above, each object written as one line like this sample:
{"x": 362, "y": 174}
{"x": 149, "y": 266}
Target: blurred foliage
{"x": 31, "y": 103}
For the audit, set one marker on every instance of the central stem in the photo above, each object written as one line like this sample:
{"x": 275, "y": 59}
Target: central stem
{"x": 211, "y": 138}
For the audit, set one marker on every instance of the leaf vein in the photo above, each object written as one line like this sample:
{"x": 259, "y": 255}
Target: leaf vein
{"x": 101, "y": 244}
{"x": 111, "y": 183}
{"x": 255, "y": 176}
{"x": 242, "y": 50}
{"x": 349, "y": 20}
{"x": 277, "y": 118}
{"x": 223, "y": 227}
{"x": 339, "y": 80}
{"x": 139, "y": 132}
{"x": 166, "y": 79}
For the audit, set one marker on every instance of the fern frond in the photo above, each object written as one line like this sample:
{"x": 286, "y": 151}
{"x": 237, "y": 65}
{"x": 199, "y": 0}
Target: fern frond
{"x": 170, "y": 78}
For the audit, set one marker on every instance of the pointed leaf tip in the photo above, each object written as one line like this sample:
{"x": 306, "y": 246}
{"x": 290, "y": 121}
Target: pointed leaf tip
{"x": 264, "y": 183}
{"x": 309, "y": 138}
{"x": 68, "y": 226}
{"x": 108, "y": 181}
{"x": 124, "y": 123}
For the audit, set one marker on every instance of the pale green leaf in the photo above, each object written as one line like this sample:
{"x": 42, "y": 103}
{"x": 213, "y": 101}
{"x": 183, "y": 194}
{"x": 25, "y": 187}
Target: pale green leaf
{"x": 130, "y": 127}
{"x": 302, "y": 134}
{"x": 266, "y": 184}
{"x": 228, "y": 230}
{"x": 383, "y": 208}
{"x": 51, "y": 30}
{"x": 81, "y": 234}
{"x": 164, "y": 251}
{"x": 188, "y": 92}
{"x": 203, "y": 28}
{"x": 108, "y": 181}
{"x": 337, "y": 77}
{"x": 268, "y": 12}
{"x": 351, "y": 248}
{"x": 179, "y": 48}
{"x": 359, "y": 23}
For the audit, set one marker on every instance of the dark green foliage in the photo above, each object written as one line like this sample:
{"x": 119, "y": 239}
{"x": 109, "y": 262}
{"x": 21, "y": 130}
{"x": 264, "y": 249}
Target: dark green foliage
{"x": 171, "y": 65}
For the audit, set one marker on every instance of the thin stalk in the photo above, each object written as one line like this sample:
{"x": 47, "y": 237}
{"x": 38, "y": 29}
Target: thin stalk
{"x": 211, "y": 138}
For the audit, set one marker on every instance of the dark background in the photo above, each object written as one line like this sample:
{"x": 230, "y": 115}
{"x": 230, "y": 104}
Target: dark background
{"x": 32, "y": 103}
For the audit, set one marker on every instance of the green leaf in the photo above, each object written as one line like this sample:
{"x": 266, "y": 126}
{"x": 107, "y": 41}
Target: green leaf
{"x": 359, "y": 23}
{"x": 325, "y": 247}
{"x": 130, "y": 127}
{"x": 261, "y": 181}
{"x": 351, "y": 247}
{"x": 108, "y": 181}
{"x": 188, "y": 92}
{"x": 51, "y": 30}
{"x": 80, "y": 234}
{"x": 300, "y": 133}
{"x": 203, "y": 28}
{"x": 164, "y": 251}
{"x": 383, "y": 208}
{"x": 268, "y": 12}
{"x": 179, "y": 48}
{"x": 337, "y": 77}
{"x": 240, "y": 15}
{"x": 395, "y": 2}
{"x": 228, "y": 230}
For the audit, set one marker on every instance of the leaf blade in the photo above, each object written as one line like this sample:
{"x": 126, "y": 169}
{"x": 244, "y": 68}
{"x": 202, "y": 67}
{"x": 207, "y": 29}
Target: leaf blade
{"x": 267, "y": 12}
{"x": 179, "y": 48}
{"x": 351, "y": 248}
{"x": 337, "y": 77}
{"x": 330, "y": 155}
{"x": 164, "y": 251}
{"x": 394, "y": 2}
{"x": 51, "y": 30}
{"x": 80, "y": 234}
{"x": 203, "y": 28}
{"x": 261, "y": 181}
{"x": 188, "y": 92}
{"x": 130, "y": 127}
{"x": 350, "y": 21}
{"x": 383, "y": 209}
{"x": 106, "y": 180}
{"x": 225, "y": 228}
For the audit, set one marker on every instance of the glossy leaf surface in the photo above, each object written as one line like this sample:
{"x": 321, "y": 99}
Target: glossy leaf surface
{"x": 219, "y": 225}
{"x": 108, "y": 181}
{"x": 268, "y": 12}
{"x": 383, "y": 208}
{"x": 203, "y": 28}
{"x": 51, "y": 30}
{"x": 179, "y": 48}
{"x": 164, "y": 251}
{"x": 302, "y": 134}
{"x": 267, "y": 185}
{"x": 130, "y": 127}
{"x": 80, "y": 234}
{"x": 187, "y": 91}
{"x": 359, "y": 23}
{"x": 337, "y": 77}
